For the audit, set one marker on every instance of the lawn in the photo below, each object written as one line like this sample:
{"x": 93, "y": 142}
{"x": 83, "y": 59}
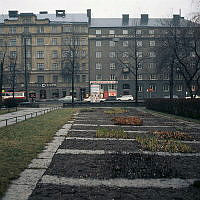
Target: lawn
{"x": 21, "y": 142}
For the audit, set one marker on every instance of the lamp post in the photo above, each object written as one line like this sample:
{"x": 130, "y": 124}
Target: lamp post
{"x": 25, "y": 71}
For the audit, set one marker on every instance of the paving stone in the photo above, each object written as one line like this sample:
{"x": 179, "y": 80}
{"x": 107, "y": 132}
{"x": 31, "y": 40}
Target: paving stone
{"x": 39, "y": 163}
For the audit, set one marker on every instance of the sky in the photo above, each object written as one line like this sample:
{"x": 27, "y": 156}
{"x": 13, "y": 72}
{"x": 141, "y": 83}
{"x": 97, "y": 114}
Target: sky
{"x": 103, "y": 8}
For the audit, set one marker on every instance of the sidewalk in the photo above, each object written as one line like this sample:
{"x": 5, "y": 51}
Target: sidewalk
{"x": 77, "y": 165}
{"x": 21, "y": 112}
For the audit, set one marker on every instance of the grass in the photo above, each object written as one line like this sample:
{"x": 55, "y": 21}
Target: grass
{"x": 156, "y": 145}
{"x": 111, "y": 133}
{"x": 115, "y": 111}
{"x": 20, "y": 143}
{"x": 7, "y": 110}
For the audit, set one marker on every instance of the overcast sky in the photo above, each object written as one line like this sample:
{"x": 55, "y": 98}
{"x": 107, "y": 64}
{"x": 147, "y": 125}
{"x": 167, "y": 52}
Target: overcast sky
{"x": 102, "y": 8}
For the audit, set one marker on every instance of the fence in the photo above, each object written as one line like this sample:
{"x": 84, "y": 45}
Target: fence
{"x": 29, "y": 115}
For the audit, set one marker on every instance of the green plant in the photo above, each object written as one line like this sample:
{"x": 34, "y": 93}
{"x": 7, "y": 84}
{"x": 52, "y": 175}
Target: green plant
{"x": 154, "y": 144}
{"x": 171, "y": 135}
{"x": 115, "y": 111}
{"x": 111, "y": 133}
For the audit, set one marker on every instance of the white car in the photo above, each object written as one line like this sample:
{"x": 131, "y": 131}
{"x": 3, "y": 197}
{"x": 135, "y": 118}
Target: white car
{"x": 67, "y": 99}
{"x": 90, "y": 99}
{"x": 125, "y": 98}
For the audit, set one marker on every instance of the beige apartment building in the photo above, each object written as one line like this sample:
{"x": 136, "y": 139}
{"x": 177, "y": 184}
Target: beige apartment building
{"x": 38, "y": 45}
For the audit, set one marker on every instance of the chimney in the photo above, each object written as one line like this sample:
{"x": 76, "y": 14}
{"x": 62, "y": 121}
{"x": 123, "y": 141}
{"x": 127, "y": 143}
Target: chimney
{"x": 176, "y": 20}
{"x": 13, "y": 13}
{"x": 89, "y": 15}
{"x": 60, "y": 13}
{"x": 125, "y": 19}
{"x": 144, "y": 19}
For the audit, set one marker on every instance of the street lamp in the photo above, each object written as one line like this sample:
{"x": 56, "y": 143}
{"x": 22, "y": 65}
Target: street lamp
{"x": 25, "y": 71}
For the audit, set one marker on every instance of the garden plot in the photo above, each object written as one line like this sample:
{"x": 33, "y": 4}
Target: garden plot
{"x": 90, "y": 167}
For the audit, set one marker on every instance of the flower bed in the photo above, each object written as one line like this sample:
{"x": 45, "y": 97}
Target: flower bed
{"x": 171, "y": 135}
{"x": 136, "y": 121}
{"x": 111, "y": 133}
{"x": 115, "y": 111}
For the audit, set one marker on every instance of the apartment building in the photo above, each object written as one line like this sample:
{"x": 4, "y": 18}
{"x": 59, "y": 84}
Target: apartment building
{"x": 44, "y": 51}
{"x": 123, "y": 48}
{"x": 38, "y": 46}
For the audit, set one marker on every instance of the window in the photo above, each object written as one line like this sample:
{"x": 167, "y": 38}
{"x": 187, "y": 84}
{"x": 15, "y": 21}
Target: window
{"x": 26, "y": 29}
{"x": 139, "y": 43}
{"x": 83, "y": 53}
{"x": 112, "y": 66}
{"x": 29, "y": 66}
{"x": 67, "y": 29}
{"x": 112, "y": 54}
{"x": 125, "y": 43}
{"x": 153, "y": 77}
{"x": 28, "y": 53}
{"x": 125, "y": 77}
{"x": 13, "y": 42}
{"x": 112, "y": 77}
{"x": 83, "y": 78}
{"x": 40, "y": 41}
{"x": 166, "y": 76}
{"x": 1, "y": 30}
{"x": 112, "y": 87}
{"x": 98, "y": 66}
{"x": 139, "y": 54}
{"x": 111, "y": 32}
{"x": 98, "y": 54}
{"x": 152, "y": 65}
{"x": 40, "y": 79}
{"x": 1, "y": 54}
{"x": 152, "y": 43}
{"x": 40, "y": 29}
{"x": 152, "y": 54}
{"x": 98, "y": 43}
{"x": 125, "y": 54}
{"x": 40, "y": 66}
{"x": 54, "y": 54}
{"x": 151, "y": 32}
{"x": 139, "y": 88}
{"x": 192, "y": 54}
{"x": 55, "y": 66}
{"x": 179, "y": 88}
{"x": 28, "y": 41}
{"x": 54, "y": 41}
{"x": 125, "y": 32}
{"x": 98, "y": 32}
{"x": 111, "y": 43}
{"x": 13, "y": 29}
{"x": 153, "y": 87}
{"x": 165, "y": 88}
{"x": 39, "y": 54}
{"x": 83, "y": 41}
{"x": 126, "y": 86}
{"x": 54, "y": 29}
{"x": 13, "y": 54}
{"x": 179, "y": 76}
{"x": 55, "y": 78}
{"x": 138, "y": 32}
{"x": 139, "y": 65}
{"x": 98, "y": 77}
{"x": 139, "y": 76}
{"x": 1, "y": 42}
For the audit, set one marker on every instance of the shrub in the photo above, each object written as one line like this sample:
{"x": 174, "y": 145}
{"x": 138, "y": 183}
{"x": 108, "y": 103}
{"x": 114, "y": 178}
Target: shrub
{"x": 182, "y": 107}
{"x": 115, "y": 111}
{"x": 136, "y": 121}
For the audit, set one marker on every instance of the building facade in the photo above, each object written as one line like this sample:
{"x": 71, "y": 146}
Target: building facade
{"x": 39, "y": 45}
{"x": 43, "y": 52}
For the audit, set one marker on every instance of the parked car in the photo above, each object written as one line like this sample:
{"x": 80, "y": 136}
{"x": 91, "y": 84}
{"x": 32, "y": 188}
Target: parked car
{"x": 90, "y": 99}
{"x": 125, "y": 98}
{"x": 174, "y": 97}
{"x": 67, "y": 99}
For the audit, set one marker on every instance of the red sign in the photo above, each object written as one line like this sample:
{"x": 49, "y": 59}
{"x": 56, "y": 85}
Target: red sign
{"x": 149, "y": 90}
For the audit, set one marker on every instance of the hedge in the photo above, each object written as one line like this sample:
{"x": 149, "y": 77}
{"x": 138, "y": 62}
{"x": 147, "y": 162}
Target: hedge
{"x": 183, "y": 107}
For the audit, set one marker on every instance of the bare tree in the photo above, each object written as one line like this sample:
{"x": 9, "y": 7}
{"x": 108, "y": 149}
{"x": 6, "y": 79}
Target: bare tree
{"x": 3, "y": 52}
{"x": 179, "y": 52}
{"x": 72, "y": 56}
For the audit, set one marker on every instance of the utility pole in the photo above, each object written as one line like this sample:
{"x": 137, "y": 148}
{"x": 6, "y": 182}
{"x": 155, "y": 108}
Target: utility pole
{"x": 136, "y": 68}
{"x": 25, "y": 72}
{"x": 1, "y": 80}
